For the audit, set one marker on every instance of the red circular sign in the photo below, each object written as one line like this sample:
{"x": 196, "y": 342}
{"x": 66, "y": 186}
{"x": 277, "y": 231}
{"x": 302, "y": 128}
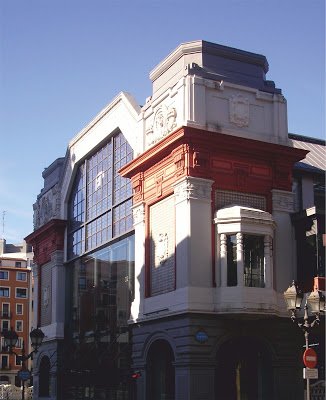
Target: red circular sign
{"x": 310, "y": 358}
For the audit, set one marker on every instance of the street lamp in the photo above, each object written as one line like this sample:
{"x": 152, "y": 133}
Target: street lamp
{"x": 10, "y": 341}
{"x": 316, "y": 301}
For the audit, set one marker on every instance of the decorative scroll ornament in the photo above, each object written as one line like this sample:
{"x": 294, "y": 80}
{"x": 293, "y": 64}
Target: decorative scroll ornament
{"x": 164, "y": 123}
{"x": 239, "y": 110}
{"x": 46, "y": 296}
{"x": 162, "y": 248}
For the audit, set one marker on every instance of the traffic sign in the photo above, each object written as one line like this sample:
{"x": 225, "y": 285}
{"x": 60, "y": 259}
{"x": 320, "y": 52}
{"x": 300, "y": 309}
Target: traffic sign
{"x": 310, "y": 373}
{"x": 310, "y": 358}
{"x": 24, "y": 374}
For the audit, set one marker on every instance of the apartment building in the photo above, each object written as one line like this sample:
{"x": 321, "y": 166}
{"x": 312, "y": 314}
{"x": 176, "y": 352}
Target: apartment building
{"x": 15, "y": 304}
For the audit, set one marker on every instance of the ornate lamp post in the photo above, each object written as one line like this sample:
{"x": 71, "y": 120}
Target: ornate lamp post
{"x": 10, "y": 341}
{"x": 315, "y": 301}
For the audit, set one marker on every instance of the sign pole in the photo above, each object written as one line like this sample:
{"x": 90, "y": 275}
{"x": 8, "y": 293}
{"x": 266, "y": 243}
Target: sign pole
{"x": 306, "y": 335}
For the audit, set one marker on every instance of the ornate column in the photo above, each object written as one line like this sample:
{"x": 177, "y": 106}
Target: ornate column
{"x": 267, "y": 261}
{"x": 240, "y": 263}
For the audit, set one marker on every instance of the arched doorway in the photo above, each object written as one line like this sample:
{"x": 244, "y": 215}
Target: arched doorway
{"x": 44, "y": 377}
{"x": 244, "y": 371}
{"x": 160, "y": 372}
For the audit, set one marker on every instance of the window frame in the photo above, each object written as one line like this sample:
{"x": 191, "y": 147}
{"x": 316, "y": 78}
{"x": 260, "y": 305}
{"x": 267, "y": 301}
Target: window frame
{"x": 22, "y": 306}
{"x": 4, "y": 312}
{"x": 21, "y": 273}
{"x": 3, "y": 322}
{"x": 5, "y": 288}
{"x": 4, "y": 271}
{"x": 22, "y": 325}
{"x": 21, "y": 297}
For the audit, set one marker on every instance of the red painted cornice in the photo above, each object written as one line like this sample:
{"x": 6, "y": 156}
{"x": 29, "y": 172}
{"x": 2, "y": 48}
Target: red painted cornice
{"x": 214, "y": 143}
{"x": 47, "y": 239}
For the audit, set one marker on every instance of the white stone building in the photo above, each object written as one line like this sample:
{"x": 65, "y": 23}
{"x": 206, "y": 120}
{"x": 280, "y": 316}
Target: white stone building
{"x": 165, "y": 238}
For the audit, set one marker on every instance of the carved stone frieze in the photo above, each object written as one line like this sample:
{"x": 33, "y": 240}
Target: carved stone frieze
{"x": 47, "y": 207}
{"x": 283, "y": 201}
{"x": 164, "y": 123}
{"x": 193, "y": 188}
{"x": 239, "y": 110}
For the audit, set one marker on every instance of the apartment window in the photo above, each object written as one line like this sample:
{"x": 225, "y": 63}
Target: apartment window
{"x": 19, "y": 309}
{"x": 100, "y": 202}
{"x": 5, "y": 310}
{"x": 18, "y": 360}
{"x": 19, "y": 343}
{"x": 21, "y": 276}
{"x": 4, "y": 275}
{"x": 19, "y": 326}
{"x": 21, "y": 293}
{"x": 4, "y": 291}
{"x": 18, "y": 264}
{"x": 4, "y": 361}
{"x": 5, "y": 325}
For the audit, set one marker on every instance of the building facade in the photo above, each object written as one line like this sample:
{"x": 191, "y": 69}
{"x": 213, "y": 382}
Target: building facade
{"x": 165, "y": 238}
{"x": 15, "y": 305}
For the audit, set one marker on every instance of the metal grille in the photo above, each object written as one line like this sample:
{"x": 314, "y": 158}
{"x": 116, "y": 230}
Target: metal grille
{"x": 224, "y": 198}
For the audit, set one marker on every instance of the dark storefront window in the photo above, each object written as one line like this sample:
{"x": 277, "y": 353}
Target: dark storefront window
{"x": 102, "y": 291}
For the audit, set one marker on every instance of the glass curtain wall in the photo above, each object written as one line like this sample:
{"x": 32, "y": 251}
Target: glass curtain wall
{"x": 100, "y": 276}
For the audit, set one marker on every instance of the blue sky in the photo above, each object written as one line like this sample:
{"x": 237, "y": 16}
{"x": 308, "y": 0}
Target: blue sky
{"x": 62, "y": 61}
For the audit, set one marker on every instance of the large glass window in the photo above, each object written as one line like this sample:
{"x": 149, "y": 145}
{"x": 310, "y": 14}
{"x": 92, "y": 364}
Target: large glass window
{"x": 253, "y": 252}
{"x": 102, "y": 292}
{"x": 231, "y": 243}
{"x": 100, "y": 202}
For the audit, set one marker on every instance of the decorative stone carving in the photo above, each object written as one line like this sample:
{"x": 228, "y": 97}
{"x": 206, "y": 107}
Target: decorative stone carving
{"x": 138, "y": 213}
{"x": 46, "y": 296}
{"x": 164, "y": 123}
{"x": 239, "y": 110}
{"x": 283, "y": 201}
{"x": 47, "y": 207}
{"x": 162, "y": 248}
{"x": 195, "y": 188}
